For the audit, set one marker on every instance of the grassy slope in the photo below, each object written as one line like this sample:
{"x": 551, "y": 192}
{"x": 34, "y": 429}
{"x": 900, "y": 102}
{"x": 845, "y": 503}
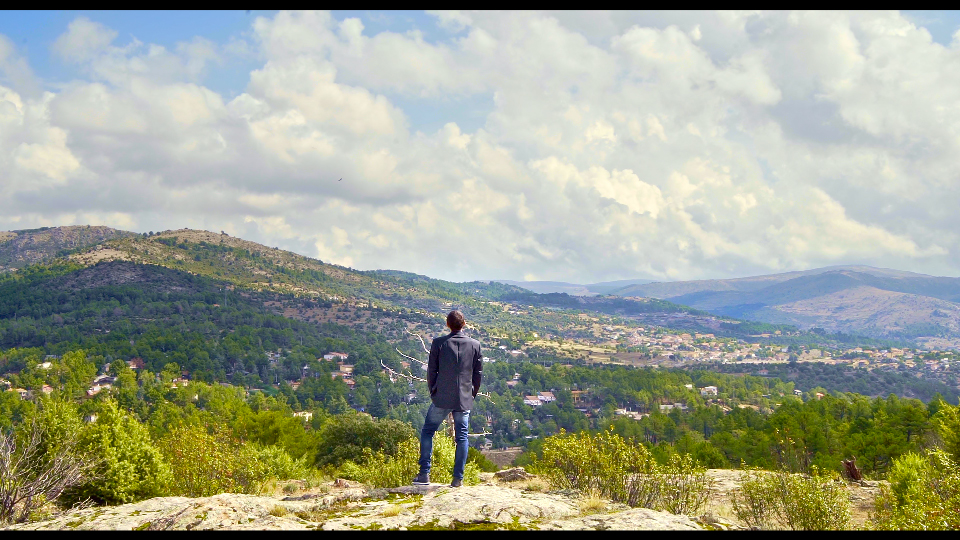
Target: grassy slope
{"x": 250, "y": 265}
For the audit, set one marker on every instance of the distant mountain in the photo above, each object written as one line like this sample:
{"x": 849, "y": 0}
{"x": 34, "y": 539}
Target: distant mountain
{"x": 257, "y": 267}
{"x": 31, "y": 246}
{"x": 180, "y": 281}
{"x": 854, "y": 299}
{"x": 573, "y": 289}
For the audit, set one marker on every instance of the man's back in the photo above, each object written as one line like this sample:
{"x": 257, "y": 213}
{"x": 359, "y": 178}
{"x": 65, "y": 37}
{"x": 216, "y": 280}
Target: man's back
{"x": 454, "y": 371}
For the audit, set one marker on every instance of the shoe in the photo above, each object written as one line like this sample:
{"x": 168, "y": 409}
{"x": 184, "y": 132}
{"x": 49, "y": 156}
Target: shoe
{"x": 422, "y": 479}
{"x": 456, "y": 482}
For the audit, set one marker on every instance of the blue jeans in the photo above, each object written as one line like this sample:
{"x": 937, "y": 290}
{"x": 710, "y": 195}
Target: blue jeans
{"x": 432, "y": 421}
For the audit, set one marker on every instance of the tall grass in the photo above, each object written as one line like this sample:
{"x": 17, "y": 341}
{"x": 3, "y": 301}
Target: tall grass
{"x": 781, "y": 500}
{"x": 623, "y": 471}
{"x": 379, "y": 469}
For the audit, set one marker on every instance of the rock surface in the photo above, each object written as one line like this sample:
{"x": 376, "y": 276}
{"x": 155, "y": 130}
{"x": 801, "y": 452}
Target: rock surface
{"x": 347, "y": 507}
{"x": 224, "y": 511}
{"x": 512, "y": 475}
{"x": 635, "y": 519}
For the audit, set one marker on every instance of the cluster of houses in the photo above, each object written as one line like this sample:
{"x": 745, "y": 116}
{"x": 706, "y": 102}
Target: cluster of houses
{"x": 515, "y": 352}
{"x": 27, "y": 394}
{"x": 344, "y": 370}
{"x": 539, "y": 399}
{"x": 100, "y": 382}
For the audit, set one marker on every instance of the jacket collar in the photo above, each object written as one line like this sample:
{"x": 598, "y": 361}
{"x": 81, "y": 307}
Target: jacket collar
{"x": 457, "y": 333}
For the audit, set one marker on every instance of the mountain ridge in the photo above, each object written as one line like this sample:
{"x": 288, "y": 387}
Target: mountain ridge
{"x": 844, "y": 299}
{"x": 573, "y": 289}
{"x": 30, "y": 246}
{"x": 871, "y": 301}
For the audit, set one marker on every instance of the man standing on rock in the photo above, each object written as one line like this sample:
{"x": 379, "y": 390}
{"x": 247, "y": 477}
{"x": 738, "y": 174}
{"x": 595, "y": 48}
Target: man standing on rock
{"x": 454, "y": 372}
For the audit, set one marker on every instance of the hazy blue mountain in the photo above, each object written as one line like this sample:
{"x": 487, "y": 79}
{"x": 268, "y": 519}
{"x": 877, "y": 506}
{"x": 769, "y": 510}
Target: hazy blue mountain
{"x": 861, "y": 299}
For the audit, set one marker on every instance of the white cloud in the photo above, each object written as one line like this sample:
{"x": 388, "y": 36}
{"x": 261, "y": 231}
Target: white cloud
{"x": 669, "y": 145}
{"x": 15, "y": 71}
{"x": 83, "y": 40}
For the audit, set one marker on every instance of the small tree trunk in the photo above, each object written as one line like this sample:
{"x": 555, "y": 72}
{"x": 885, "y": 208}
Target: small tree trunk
{"x": 450, "y": 430}
{"x": 851, "y": 470}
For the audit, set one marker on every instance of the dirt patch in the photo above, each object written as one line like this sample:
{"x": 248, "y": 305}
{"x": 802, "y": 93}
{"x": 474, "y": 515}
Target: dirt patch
{"x": 93, "y": 257}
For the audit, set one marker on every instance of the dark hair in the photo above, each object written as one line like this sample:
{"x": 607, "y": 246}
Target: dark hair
{"x": 455, "y": 320}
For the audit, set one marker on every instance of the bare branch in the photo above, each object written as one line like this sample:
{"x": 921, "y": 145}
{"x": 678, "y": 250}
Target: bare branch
{"x": 397, "y": 373}
{"x": 410, "y": 357}
{"x": 28, "y": 480}
{"x": 422, "y": 344}
{"x": 424, "y": 364}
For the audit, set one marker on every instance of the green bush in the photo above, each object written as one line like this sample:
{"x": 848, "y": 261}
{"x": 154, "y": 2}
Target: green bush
{"x": 380, "y": 469}
{"x": 58, "y": 422}
{"x": 205, "y": 464}
{"x": 781, "y": 500}
{"x": 383, "y": 470}
{"x": 683, "y": 485}
{"x": 754, "y": 502}
{"x": 344, "y": 438}
{"x": 484, "y": 464}
{"x": 623, "y": 471}
{"x": 278, "y": 463}
{"x": 441, "y": 464}
{"x": 131, "y": 467}
{"x": 924, "y": 494}
{"x": 947, "y": 422}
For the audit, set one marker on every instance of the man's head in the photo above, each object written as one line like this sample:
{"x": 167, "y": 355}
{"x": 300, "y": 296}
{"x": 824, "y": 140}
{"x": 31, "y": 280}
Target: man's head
{"x": 455, "y": 320}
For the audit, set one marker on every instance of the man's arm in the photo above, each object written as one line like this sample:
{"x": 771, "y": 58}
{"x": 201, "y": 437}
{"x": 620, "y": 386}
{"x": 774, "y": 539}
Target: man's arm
{"x": 477, "y": 371}
{"x": 433, "y": 366}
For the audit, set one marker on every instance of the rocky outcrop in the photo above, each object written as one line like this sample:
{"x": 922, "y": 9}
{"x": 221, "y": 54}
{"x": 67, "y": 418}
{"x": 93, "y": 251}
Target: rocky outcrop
{"x": 224, "y": 511}
{"x": 512, "y": 475}
{"x": 486, "y": 506}
{"x": 444, "y": 508}
{"x": 635, "y": 519}
{"x": 515, "y": 501}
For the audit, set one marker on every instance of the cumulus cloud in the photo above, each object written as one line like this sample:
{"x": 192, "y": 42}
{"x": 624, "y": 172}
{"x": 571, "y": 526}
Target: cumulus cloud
{"x": 83, "y": 40}
{"x": 14, "y": 69}
{"x": 662, "y": 145}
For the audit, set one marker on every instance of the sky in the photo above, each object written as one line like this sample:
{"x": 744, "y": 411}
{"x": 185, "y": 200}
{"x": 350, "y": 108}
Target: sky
{"x": 566, "y": 146}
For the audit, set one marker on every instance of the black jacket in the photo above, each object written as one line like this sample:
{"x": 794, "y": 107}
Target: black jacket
{"x": 454, "y": 371}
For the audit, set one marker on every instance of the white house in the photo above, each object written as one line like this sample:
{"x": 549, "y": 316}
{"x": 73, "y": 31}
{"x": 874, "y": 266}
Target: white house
{"x": 546, "y": 397}
{"x": 708, "y": 391}
{"x": 95, "y": 389}
{"x": 533, "y": 401}
{"x": 670, "y": 407}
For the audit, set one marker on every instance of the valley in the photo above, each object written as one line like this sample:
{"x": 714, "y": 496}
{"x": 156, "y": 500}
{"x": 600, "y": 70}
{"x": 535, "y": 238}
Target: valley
{"x": 182, "y": 332}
